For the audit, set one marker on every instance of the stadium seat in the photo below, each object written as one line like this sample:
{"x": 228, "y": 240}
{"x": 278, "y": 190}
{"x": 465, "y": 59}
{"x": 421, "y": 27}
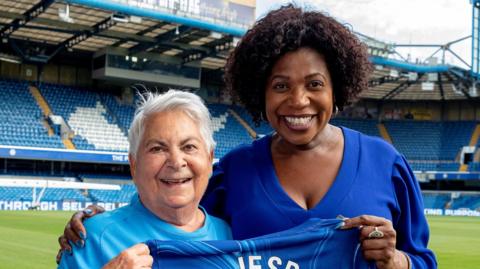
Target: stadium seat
{"x": 22, "y": 118}
{"x": 94, "y": 126}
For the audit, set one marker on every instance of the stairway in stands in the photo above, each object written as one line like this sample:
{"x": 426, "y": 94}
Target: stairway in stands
{"x": 42, "y": 103}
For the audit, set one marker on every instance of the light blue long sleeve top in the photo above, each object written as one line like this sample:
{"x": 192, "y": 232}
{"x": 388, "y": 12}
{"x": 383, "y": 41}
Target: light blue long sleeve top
{"x": 112, "y": 232}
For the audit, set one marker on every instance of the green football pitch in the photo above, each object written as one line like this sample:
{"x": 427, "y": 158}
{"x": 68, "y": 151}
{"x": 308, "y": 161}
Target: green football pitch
{"x": 28, "y": 239}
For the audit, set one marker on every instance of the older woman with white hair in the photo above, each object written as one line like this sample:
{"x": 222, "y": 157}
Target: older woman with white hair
{"x": 170, "y": 154}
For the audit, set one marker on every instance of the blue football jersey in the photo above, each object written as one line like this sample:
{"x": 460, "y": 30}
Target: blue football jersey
{"x": 316, "y": 243}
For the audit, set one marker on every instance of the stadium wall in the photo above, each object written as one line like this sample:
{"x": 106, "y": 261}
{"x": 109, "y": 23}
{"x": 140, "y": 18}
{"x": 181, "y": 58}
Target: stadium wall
{"x": 66, "y": 75}
{"x": 430, "y": 110}
{"x": 10, "y": 70}
{"x": 462, "y": 110}
{"x": 53, "y": 73}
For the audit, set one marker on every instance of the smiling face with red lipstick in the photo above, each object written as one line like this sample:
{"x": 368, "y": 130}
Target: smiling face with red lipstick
{"x": 299, "y": 97}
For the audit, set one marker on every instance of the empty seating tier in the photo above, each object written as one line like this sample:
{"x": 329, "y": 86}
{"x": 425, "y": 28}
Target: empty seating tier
{"x": 21, "y": 118}
{"x": 94, "y": 127}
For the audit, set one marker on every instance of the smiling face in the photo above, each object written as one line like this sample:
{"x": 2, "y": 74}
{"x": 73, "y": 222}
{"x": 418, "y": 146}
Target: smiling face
{"x": 299, "y": 96}
{"x": 172, "y": 164}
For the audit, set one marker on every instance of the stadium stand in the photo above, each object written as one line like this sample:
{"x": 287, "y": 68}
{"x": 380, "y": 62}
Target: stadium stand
{"x": 94, "y": 128}
{"x": 228, "y": 133}
{"x": 21, "y": 118}
{"x": 429, "y": 140}
{"x": 451, "y": 200}
{"x": 25, "y": 194}
{"x": 466, "y": 200}
{"x": 122, "y": 112}
{"x": 436, "y": 200}
{"x": 419, "y": 165}
{"x": 100, "y": 121}
{"x": 263, "y": 129}
{"x": 15, "y": 194}
{"x": 366, "y": 126}
{"x": 122, "y": 196}
{"x": 474, "y": 167}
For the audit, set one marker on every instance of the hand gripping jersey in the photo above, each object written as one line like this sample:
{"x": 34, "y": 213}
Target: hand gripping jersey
{"x": 316, "y": 243}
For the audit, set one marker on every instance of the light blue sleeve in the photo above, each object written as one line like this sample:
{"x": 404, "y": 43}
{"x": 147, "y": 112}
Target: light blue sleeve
{"x": 89, "y": 256}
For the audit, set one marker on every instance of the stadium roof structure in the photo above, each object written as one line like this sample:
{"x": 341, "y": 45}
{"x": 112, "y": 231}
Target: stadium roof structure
{"x": 36, "y": 31}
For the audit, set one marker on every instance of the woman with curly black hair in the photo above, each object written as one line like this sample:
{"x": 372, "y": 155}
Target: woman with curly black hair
{"x": 295, "y": 69}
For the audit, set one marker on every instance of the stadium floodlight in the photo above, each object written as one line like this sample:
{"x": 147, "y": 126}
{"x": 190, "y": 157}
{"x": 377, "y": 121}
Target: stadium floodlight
{"x": 215, "y": 35}
{"x": 394, "y": 73}
{"x": 120, "y": 18}
{"x": 473, "y": 91}
{"x": 10, "y": 58}
{"x": 235, "y": 41}
{"x": 136, "y": 19}
{"x": 428, "y": 86}
{"x": 64, "y": 14}
{"x": 412, "y": 76}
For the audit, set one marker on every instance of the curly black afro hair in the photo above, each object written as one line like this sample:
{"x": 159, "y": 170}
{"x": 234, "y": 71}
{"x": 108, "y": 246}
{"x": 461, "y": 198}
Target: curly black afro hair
{"x": 287, "y": 29}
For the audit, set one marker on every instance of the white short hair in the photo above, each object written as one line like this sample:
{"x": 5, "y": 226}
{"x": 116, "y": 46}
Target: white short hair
{"x": 153, "y": 103}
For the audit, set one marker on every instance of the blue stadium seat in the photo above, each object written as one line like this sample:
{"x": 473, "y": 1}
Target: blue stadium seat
{"x": 366, "y": 126}
{"x": 427, "y": 140}
{"x": 123, "y": 195}
{"x": 436, "y": 200}
{"x": 228, "y": 132}
{"x": 263, "y": 129}
{"x": 22, "y": 118}
{"x": 466, "y": 200}
{"x": 94, "y": 125}
{"x": 25, "y": 194}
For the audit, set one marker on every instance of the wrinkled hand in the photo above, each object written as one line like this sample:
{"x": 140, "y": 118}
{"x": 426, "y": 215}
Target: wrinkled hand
{"x": 75, "y": 231}
{"x": 137, "y": 256}
{"x": 381, "y": 250}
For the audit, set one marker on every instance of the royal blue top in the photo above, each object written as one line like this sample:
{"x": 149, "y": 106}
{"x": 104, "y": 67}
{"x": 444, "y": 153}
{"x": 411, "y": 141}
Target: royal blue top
{"x": 373, "y": 179}
{"x": 316, "y": 243}
{"x": 114, "y": 231}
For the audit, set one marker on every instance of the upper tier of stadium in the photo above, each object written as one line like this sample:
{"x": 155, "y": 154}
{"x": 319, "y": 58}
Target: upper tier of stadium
{"x": 99, "y": 121}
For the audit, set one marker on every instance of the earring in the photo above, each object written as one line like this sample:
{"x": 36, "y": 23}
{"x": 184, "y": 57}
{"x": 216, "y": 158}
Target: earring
{"x": 262, "y": 116}
{"x": 335, "y": 110}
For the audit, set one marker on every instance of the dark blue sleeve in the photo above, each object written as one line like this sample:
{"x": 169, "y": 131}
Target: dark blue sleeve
{"x": 411, "y": 225}
{"x": 214, "y": 199}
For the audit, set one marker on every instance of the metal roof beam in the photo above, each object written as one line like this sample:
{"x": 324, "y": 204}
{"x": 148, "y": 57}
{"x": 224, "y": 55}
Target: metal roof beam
{"x": 396, "y": 90}
{"x": 55, "y": 25}
{"x": 400, "y": 88}
{"x": 379, "y": 81}
{"x": 216, "y": 46}
{"x": 166, "y": 39}
{"x": 440, "y": 86}
{"x": 29, "y": 15}
{"x": 460, "y": 81}
{"x": 82, "y": 36}
{"x": 141, "y": 33}
{"x": 11, "y": 15}
{"x": 78, "y": 29}
{"x": 45, "y": 28}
